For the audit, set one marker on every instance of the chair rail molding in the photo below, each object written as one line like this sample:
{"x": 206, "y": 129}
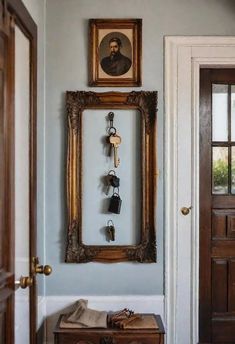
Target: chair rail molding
{"x": 184, "y": 56}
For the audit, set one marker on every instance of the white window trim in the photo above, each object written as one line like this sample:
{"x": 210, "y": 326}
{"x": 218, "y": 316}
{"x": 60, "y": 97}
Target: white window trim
{"x": 202, "y": 51}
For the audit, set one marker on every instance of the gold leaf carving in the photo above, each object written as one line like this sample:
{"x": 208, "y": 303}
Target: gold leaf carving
{"x": 147, "y": 102}
{"x": 76, "y": 103}
{"x": 146, "y": 252}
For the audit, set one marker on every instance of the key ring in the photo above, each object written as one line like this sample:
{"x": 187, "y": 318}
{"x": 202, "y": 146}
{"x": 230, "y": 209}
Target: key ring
{"x": 108, "y": 223}
{"x": 112, "y": 174}
{"x": 116, "y": 193}
{"x": 112, "y": 130}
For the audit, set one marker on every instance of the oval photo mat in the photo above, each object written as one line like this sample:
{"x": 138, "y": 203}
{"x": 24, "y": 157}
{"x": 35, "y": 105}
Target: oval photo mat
{"x": 126, "y": 48}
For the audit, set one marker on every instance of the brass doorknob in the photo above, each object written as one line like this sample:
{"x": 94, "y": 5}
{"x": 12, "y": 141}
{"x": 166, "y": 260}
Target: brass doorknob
{"x": 25, "y": 282}
{"x": 46, "y": 269}
{"x": 185, "y": 211}
{"x": 40, "y": 269}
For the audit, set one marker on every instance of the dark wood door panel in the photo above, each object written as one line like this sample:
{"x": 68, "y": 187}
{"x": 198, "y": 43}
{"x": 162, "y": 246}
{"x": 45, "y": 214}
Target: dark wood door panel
{"x": 223, "y": 331}
{"x": 223, "y": 287}
{"x": 217, "y": 220}
{"x": 231, "y": 287}
{"x": 231, "y": 226}
{"x": 223, "y": 224}
{"x": 223, "y": 248}
{"x": 219, "y": 285}
{"x": 219, "y": 224}
{"x": 222, "y": 202}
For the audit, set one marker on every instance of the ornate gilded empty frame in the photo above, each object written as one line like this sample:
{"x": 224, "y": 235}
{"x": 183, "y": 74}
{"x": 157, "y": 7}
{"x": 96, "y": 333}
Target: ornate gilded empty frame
{"x": 88, "y": 163}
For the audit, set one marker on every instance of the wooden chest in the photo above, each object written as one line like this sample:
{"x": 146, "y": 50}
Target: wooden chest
{"x": 110, "y": 335}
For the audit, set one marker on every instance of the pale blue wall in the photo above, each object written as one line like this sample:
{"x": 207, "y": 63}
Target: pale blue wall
{"x": 66, "y": 69}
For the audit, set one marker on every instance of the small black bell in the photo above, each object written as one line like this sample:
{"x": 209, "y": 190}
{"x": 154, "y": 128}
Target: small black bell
{"x": 115, "y": 204}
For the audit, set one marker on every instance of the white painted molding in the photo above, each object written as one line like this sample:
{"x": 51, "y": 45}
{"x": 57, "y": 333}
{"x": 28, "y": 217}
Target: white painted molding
{"x": 41, "y": 310}
{"x": 41, "y": 316}
{"x": 55, "y": 305}
{"x": 193, "y": 53}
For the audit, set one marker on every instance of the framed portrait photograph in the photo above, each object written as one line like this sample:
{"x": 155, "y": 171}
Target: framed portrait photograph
{"x": 115, "y": 52}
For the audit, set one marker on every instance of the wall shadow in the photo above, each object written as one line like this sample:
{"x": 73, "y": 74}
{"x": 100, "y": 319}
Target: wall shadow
{"x": 51, "y": 320}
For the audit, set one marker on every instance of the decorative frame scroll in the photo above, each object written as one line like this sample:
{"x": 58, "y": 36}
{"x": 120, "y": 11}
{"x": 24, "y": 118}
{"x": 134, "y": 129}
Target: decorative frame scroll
{"x": 146, "y": 103}
{"x": 119, "y": 68}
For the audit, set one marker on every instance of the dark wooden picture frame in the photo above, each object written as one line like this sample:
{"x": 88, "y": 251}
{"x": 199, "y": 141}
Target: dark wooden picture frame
{"x": 115, "y": 47}
{"x": 145, "y": 250}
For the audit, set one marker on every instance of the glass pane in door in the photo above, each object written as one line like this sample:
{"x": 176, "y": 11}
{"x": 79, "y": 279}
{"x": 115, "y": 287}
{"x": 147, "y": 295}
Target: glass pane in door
{"x": 233, "y": 170}
{"x": 220, "y": 170}
{"x": 22, "y": 115}
{"x": 219, "y": 112}
{"x": 233, "y": 113}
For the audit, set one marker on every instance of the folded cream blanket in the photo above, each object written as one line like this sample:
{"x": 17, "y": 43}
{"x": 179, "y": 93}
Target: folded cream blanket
{"x": 83, "y": 316}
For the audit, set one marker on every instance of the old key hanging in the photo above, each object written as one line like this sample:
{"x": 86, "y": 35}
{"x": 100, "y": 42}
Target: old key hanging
{"x": 112, "y": 180}
{"x": 114, "y": 139}
{"x": 110, "y": 230}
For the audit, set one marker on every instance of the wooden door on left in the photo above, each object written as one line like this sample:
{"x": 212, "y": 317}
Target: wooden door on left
{"x": 6, "y": 193}
{"x": 18, "y": 80}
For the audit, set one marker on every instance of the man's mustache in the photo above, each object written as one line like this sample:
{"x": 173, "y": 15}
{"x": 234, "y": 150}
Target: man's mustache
{"x": 113, "y": 53}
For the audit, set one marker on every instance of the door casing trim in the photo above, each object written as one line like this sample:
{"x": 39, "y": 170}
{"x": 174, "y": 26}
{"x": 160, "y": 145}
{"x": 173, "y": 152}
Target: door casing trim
{"x": 192, "y": 52}
{"x": 21, "y": 17}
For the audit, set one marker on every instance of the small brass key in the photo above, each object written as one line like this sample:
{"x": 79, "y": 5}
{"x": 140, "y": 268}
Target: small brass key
{"x": 111, "y": 231}
{"x": 115, "y": 140}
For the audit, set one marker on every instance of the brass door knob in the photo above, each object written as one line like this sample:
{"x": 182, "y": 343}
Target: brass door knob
{"x": 25, "y": 282}
{"x": 185, "y": 211}
{"x": 46, "y": 269}
{"x": 40, "y": 269}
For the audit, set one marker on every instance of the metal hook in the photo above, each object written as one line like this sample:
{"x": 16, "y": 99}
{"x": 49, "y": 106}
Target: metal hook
{"x": 108, "y": 223}
{"x": 111, "y": 116}
{"x": 112, "y": 130}
{"x": 116, "y": 193}
{"x": 112, "y": 174}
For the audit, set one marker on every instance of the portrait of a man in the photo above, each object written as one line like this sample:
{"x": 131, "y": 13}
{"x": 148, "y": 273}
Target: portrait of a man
{"x": 115, "y": 51}
{"x": 115, "y": 64}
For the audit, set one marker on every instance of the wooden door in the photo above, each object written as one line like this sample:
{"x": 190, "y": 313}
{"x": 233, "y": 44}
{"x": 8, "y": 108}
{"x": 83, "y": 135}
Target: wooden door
{"x": 16, "y": 22}
{"x": 6, "y": 179}
{"x": 217, "y": 206}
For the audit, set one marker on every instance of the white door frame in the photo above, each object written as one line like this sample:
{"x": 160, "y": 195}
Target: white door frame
{"x": 184, "y": 56}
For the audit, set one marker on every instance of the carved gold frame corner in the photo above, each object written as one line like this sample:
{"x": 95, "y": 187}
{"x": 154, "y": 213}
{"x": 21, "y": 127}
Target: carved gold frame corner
{"x": 146, "y": 103}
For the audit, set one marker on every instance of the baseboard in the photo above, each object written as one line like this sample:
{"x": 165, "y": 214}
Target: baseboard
{"x": 56, "y": 305}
